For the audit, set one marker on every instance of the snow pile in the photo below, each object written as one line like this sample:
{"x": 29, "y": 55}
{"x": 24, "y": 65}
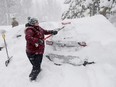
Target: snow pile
{"x": 87, "y": 26}
{"x": 96, "y": 31}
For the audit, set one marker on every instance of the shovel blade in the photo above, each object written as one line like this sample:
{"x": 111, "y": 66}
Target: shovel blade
{"x": 8, "y": 61}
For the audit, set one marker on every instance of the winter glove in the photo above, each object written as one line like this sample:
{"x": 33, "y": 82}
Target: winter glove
{"x": 40, "y": 41}
{"x": 54, "y": 32}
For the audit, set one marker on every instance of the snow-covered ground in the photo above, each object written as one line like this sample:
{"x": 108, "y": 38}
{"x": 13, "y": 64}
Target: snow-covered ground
{"x": 96, "y": 31}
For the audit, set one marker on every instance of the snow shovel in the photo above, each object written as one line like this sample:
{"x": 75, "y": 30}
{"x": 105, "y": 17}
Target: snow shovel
{"x": 50, "y": 42}
{"x": 8, "y": 58}
{"x": 58, "y": 29}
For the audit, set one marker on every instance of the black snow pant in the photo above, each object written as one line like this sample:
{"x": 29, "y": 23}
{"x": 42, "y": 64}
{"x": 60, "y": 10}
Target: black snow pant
{"x": 36, "y": 60}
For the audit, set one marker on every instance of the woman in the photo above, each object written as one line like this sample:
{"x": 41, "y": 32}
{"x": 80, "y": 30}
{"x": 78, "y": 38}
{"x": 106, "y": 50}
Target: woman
{"x": 34, "y": 36}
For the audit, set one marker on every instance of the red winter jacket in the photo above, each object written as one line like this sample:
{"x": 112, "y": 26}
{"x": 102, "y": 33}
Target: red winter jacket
{"x": 32, "y": 36}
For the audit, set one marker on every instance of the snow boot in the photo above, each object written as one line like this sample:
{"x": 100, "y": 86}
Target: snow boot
{"x": 34, "y": 74}
{"x": 31, "y": 74}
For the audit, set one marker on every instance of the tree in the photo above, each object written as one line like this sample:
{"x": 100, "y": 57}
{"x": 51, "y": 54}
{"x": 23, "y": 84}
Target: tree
{"x": 82, "y": 8}
{"x": 75, "y": 10}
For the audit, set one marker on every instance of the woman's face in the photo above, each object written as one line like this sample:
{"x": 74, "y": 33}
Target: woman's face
{"x": 36, "y": 24}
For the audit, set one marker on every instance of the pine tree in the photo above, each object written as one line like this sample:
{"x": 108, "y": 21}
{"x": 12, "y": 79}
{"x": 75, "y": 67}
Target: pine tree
{"x": 81, "y": 8}
{"x": 75, "y": 10}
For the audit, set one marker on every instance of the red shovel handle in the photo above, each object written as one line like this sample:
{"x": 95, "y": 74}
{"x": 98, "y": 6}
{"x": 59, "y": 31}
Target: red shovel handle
{"x": 51, "y": 34}
{"x": 47, "y": 37}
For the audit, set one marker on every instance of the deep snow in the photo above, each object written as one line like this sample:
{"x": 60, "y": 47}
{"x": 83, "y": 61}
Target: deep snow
{"x": 96, "y": 31}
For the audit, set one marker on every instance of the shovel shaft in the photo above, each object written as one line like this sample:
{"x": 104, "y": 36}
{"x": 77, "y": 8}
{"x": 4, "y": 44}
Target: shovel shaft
{"x": 47, "y": 36}
{"x": 8, "y": 58}
{"x": 5, "y": 45}
{"x": 58, "y": 29}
